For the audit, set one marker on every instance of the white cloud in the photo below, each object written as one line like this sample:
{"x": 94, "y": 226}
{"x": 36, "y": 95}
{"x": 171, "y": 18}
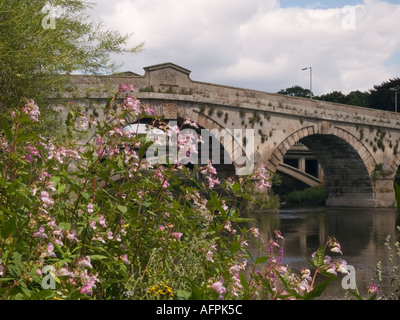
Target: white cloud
{"x": 258, "y": 45}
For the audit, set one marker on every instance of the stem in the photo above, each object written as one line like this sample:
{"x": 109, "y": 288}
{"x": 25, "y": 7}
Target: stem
{"x": 314, "y": 277}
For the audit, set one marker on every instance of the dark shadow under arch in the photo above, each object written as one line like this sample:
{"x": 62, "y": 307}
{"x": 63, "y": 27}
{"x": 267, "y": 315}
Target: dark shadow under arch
{"x": 347, "y": 176}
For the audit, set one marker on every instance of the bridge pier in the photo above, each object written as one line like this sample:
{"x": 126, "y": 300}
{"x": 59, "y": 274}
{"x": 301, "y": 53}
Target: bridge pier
{"x": 384, "y": 193}
{"x": 382, "y": 196}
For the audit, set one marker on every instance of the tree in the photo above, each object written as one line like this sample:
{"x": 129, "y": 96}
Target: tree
{"x": 383, "y": 96}
{"x": 41, "y": 40}
{"x": 335, "y": 96}
{"x": 295, "y": 91}
{"x": 358, "y": 98}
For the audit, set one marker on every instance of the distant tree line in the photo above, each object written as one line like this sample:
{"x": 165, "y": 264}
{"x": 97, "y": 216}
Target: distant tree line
{"x": 380, "y": 97}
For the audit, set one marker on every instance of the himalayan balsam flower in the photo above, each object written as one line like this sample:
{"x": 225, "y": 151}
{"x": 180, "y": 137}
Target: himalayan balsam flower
{"x": 50, "y": 249}
{"x": 1, "y": 268}
{"x": 124, "y": 258}
{"x": 126, "y": 88}
{"x": 209, "y": 254}
{"x": 32, "y": 110}
{"x": 255, "y": 232}
{"x": 46, "y": 199}
{"x": 177, "y": 235}
{"x": 40, "y": 233}
{"x": 89, "y": 283}
{"x": 85, "y": 262}
{"x": 90, "y": 208}
{"x": 373, "y": 289}
{"x": 102, "y": 221}
{"x": 218, "y": 286}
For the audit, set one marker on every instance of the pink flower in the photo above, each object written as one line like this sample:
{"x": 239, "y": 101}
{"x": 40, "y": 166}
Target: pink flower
{"x": 65, "y": 272}
{"x": 50, "y": 248}
{"x": 278, "y": 234}
{"x": 89, "y": 283}
{"x": 126, "y": 88}
{"x": 219, "y": 286}
{"x": 46, "y": 199}
{"x": 110, "y": 235}
{"x": 332, "y": 269}
{"x": 191, "y": 123}
{"x": 32, "y": 110}
{"x": 40, "y": 233}
{"x": 132, "y": 105}
{"x": 177, "y": 235}
{"x": 336, "y": 249}
{"x": 227, "y": 226}
{"x": 209, "y": 254}
{"x": 72, "y": 236}
{"x": 102, "y": 221}
{"x": 255, "y": 232}
{"x": 342, "y": 266}
{"x": 85, "y": 262}
{"x": 125, "y": 259}
{"x": 93, "y": 225}
{"x": 90, "y": 208}
{"x": 209, "y": 169}
{"x": 165, "y": 184}
{"x": 373, "y": 289}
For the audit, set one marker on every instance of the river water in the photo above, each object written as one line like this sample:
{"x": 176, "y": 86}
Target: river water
{"x": 361, "y": 233}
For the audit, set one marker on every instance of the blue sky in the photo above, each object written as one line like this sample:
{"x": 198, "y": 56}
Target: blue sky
{"x": 263, "y": 44}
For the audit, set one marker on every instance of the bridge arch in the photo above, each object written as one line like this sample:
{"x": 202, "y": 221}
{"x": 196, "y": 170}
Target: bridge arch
{"x": 211, "y": 150}
{"x": 347, "y": 163}
{"x": 233, "y": 148}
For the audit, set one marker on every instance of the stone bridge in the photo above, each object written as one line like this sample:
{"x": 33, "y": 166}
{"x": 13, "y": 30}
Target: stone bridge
{"x": 358, "y": 148}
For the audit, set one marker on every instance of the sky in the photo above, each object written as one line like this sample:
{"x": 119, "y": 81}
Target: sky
{"x": 263, "y": 44}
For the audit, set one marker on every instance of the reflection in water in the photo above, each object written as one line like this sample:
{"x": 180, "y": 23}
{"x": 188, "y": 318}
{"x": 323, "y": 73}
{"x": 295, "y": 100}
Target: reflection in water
{"x": 361, "y": 233}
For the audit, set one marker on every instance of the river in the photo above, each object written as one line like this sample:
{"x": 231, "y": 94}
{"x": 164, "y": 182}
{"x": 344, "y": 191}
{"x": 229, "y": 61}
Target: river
{"x": 361, "y": 233}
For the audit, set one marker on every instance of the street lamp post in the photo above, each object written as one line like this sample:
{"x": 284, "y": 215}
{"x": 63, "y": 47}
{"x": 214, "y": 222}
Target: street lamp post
{"x": 310, "y": 80}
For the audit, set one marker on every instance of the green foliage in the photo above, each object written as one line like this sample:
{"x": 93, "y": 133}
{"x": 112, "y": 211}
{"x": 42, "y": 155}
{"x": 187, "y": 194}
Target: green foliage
{"x": 313, "y": 196}
{"x": 295, "y": 91}
{"x": 383, "y": 96}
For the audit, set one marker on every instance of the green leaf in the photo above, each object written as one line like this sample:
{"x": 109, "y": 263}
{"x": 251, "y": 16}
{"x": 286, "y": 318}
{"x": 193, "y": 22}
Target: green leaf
{"x": 123, "y": 209}
{"x": 397, "y": 195}
{"x": 183, "y": 295}
{"x": 243, "y": 281}
{"x": 216, "y": 203}
{"x": 319, "y": 257}
{"x": 97, "y": 257}
{"x": 287, "y": 286}
{"x": 7, "y": 130}
{"x": 317, "y": 291}
{"x": 9, "y": 227}
{"x": 85, "y": 195}
{"x": 261, "y": 260}
{"x": 65, "y": 225}
{"x": 356, "y": 294}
